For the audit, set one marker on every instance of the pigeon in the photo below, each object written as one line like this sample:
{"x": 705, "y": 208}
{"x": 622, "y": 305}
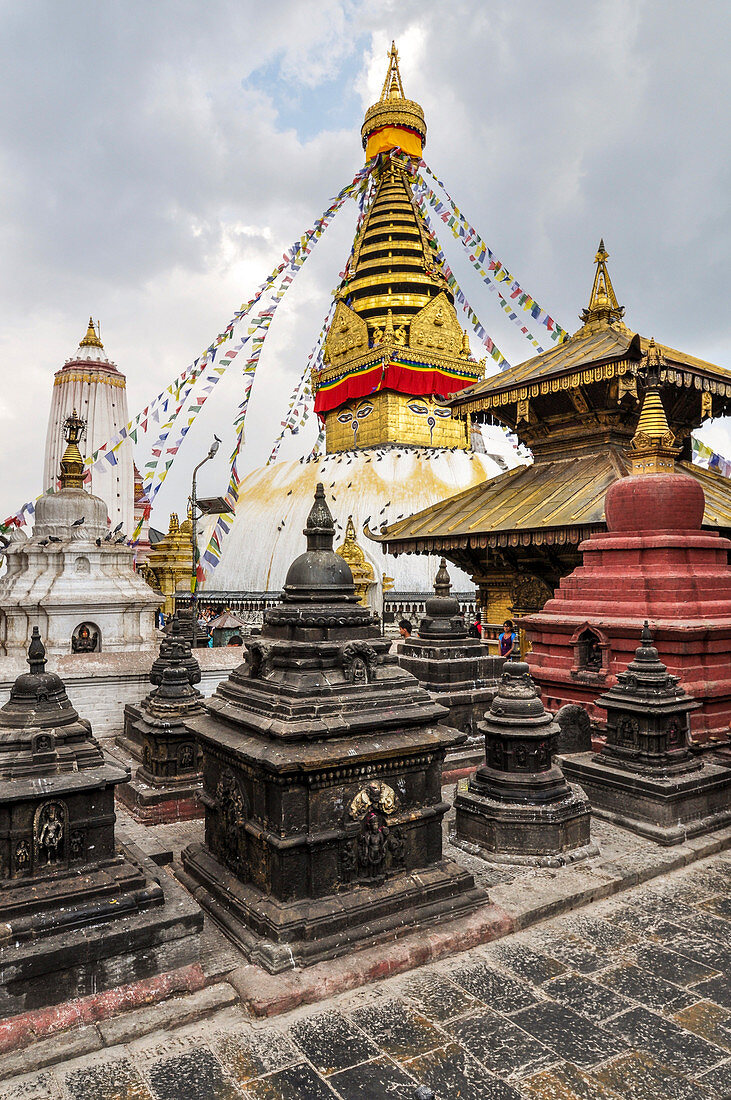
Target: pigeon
{"x": 120, "y": 538}
{"x": 289, "y": 494}
{"x": 43, "y": 542}
{"x": 118, "y": 528}
{"x": 108, "y": 537}
{"x": 78, "y": 522}
{"x": 98, "y": 542}
{"x": 54, "y": 538}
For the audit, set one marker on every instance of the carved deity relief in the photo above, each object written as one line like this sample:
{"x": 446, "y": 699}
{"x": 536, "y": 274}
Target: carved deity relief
{"x": 628, "y": 730}
{"x": 232, "y": 814}
{"x": 379, "y": 849}
{"x": 259, "y": 657}
{"x": 22, "y": 857}
{"x": 186, "y": 757}
{"x": 348, "y": 334}
{"x": 436, "y": 327}
{"x": 359, "y": 662}
{"x": 49, "y": 833}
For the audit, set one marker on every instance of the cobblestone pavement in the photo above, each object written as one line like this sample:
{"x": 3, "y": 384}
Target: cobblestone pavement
{"x": 628, "y": 998}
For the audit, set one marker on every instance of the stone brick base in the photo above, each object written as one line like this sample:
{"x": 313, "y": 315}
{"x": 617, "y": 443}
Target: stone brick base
{"x": 666, "y": 810}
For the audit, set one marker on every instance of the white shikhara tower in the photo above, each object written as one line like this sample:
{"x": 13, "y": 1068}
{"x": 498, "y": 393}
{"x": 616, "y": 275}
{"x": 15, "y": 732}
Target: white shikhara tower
{"x": 91, "y": 384}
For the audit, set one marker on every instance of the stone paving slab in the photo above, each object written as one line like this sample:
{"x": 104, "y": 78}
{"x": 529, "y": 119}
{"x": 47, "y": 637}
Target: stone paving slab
{"x": 515, "y": 1019}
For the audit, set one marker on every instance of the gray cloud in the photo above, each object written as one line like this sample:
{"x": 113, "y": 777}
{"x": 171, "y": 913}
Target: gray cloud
{"x": 157, "y": 158}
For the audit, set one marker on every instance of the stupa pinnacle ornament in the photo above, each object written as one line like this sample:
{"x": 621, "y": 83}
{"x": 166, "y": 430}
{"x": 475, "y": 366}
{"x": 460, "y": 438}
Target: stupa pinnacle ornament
{"x": 72, "y": 464}
{"x": 360, "y": 567}
{"x": 457, "y": 670}
{"x": 60, "y": 869}
{"x": 645, "y": 778}
{"x": 518, "y": 807}
{"x": 322, "y": 768}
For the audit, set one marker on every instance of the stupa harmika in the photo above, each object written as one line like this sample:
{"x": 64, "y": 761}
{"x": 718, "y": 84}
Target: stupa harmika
{"x": 395, "y": 349}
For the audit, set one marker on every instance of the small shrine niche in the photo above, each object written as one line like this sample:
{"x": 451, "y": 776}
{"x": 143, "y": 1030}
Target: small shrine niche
{"x": 589, "y": 651}
{"x": 86, "y": 639}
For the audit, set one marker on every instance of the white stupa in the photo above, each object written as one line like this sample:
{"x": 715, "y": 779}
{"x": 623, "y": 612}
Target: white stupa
{"x": 90, "y": 383}
{"x": 72, "y": 578}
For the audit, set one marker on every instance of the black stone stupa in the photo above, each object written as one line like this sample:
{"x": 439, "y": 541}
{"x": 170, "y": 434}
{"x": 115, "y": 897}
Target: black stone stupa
{"x": 78, "y": 914}
{"x": 322, "y": 781}
{"x": 645, "y": 777}
{"x": 166, "y": 785}
{"x": 518, "y": 807}
{"x": 456, "y": 669}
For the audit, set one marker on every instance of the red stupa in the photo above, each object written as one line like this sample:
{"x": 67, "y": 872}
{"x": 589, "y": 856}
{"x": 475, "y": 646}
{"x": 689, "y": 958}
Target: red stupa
{"x": 654, "y": 562}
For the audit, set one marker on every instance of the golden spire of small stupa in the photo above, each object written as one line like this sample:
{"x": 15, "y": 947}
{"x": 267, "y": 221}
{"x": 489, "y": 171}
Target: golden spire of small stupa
{"x": 603, "y": 304}
{"x": 91, "y": 340}
{"x": 72, "y": 464}
{"x": 394, "y": 121}
{"x": 653, "y": 449}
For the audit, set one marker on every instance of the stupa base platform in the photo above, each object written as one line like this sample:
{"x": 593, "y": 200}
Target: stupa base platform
{"x": 123, "y": 922}
{"x": 666, "y": 810}
{"x": 550, "y": 834}
{"x": 151, "y": 804}
{"x": 279, "y": 936}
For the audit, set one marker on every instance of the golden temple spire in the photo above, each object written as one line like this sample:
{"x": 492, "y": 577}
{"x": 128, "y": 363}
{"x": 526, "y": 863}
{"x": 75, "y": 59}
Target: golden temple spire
{"x": 603, "y": 304}
{"x": 72, "y": 464}
{"x": 394, "y": 122}
{"x": 653, "y": 449}
{"x": 360, "y": 567}
{"x": 392, "y": 86}
{"x": 91, "y": 340}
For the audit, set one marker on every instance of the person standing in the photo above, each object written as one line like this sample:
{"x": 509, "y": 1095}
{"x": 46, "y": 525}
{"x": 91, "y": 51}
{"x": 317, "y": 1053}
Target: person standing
{"x": 509, "y": 642}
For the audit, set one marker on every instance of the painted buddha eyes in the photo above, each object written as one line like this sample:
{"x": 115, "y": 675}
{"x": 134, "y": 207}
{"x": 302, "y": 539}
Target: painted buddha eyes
{"x": 363, "y": 410}
{"x": 442, "y": 411}
{"x": 418, "y": 407}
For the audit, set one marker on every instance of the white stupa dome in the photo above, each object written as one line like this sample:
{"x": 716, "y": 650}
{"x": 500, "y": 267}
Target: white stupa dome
{"x": 373, "y": 486}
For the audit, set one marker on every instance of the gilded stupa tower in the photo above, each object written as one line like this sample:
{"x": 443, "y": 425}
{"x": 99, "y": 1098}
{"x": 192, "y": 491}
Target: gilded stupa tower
{"x": 90, "y": 383}
{"x": 395, "y": 346}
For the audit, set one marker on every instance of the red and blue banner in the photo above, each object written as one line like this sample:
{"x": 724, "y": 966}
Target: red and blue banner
{"x": 403, "y": 376}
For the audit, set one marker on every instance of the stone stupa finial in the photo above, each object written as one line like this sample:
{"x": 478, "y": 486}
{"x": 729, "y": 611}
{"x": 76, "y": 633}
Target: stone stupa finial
{"x": 320, "y": 529}
{"x": 91, "y": 340}
{"x": 36, "y": 653}
{"x": 442, "y": 583}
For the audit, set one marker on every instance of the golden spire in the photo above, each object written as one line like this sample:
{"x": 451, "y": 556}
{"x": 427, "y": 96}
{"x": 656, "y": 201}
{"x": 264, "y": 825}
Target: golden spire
{"x": 362, "y": 570}
{"x": 72, "y": 464}
{"x": 91, "y": 340}
{"x": 395, "y": 121}
{"x": 174, "y": 524}
{"x": 653, "y": 449}
{"x": 393, "y": 77}
{"x": 603, "y": 304}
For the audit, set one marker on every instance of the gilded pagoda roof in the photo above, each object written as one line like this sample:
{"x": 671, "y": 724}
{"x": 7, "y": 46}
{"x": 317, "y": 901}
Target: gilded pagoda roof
{"x": 550, "y": 503}
{"x": 597, "y": 352}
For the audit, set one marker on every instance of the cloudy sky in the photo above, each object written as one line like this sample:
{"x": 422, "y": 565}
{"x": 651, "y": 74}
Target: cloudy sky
{"x": 156, "y": 159}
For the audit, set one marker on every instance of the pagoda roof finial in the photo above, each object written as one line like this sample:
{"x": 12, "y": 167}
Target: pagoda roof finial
{"x": 392, "y": 86}
{"x": 91, "y": 340}
{"x": 603, "y": 304}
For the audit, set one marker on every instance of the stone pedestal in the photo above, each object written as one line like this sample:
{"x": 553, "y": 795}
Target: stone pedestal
{"x": 79, "y": 914}
{"x": 322, "y": 781}
{"x": 167, "y": 783}
{"x": 518, "y": 807}
{"x": 645, "y": 778}
{"x": 456, "y": 669}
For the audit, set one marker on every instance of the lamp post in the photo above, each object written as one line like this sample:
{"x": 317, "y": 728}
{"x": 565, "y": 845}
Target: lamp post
{"x": 194, "y": 540}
